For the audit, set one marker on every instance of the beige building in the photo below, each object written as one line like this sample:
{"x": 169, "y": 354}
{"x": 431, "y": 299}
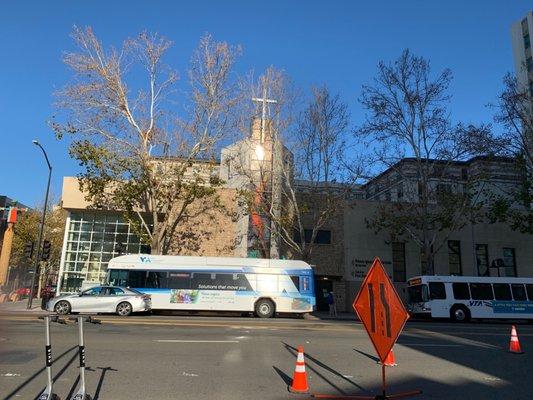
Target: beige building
{"x": 345, "y": 246}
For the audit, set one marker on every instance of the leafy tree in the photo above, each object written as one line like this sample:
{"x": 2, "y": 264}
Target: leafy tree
{"x": 138, "y": 153}
{"x": 27, "y": 230}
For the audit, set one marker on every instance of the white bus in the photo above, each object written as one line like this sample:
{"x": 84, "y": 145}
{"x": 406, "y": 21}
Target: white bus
{"x": 262, "y": 286}
{"x": 464, "y": 297}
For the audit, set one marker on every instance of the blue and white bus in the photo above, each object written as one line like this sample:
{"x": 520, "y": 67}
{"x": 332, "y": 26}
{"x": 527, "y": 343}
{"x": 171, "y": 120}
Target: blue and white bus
{"x": 262, "y": 286}
{"x": 464, "y": 297}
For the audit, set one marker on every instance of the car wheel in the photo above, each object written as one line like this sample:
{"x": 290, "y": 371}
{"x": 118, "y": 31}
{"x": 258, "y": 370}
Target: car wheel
{"x": 264, "y": 308}
{"x": 124, "y": 309}
{"x": 460, "y": 314}
{"x": 62, "y": 307}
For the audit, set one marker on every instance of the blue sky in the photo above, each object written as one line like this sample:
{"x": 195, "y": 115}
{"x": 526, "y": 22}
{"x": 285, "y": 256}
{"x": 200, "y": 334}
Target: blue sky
{"x": 337, "y": 43}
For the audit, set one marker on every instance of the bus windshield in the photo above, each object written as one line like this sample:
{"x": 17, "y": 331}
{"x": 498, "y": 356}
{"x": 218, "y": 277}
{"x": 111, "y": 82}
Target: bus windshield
{"x": 418, "y": 293}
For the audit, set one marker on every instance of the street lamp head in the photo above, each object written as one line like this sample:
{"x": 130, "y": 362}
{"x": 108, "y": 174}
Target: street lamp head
{"x": 35, "y": 142}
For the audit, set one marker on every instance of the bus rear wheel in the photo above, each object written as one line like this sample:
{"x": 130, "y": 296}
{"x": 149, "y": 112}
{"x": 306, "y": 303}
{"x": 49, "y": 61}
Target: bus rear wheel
{"x": 460, "y": 313}
{"x": 264, "y": 308}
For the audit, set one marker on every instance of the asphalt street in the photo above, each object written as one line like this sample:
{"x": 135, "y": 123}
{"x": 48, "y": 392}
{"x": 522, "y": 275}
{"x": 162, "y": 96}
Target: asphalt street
{"x": 180, "y": 357}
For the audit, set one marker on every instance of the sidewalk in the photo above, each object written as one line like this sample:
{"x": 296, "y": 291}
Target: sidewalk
{"x": 324, "y": 315}
{"x": 17, "y": 307}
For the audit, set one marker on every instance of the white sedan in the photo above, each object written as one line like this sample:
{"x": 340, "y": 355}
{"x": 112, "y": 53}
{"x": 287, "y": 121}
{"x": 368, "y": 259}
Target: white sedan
{"x": 101, "y": 299}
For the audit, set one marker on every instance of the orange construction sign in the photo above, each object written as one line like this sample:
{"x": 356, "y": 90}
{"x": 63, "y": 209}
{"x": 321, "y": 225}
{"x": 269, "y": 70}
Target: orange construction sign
{"x": 380, "y": 309}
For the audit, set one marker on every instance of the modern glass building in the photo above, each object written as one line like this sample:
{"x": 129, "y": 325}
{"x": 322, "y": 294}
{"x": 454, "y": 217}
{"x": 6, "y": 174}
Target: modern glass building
{"x": 91, "y": 240}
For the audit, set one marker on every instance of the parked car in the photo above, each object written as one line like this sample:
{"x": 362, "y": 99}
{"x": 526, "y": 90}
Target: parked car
{"x": 102, "y": 299}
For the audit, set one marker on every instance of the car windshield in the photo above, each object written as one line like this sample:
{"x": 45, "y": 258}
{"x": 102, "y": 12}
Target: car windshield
{"x": 418, "y": 293}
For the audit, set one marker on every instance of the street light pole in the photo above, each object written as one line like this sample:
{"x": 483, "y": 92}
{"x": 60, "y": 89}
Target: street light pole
{"x": 41, "y": 231}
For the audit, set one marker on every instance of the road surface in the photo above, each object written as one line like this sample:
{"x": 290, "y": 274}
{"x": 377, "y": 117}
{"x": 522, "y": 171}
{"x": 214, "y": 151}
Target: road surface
{"x": 180, "y": 357}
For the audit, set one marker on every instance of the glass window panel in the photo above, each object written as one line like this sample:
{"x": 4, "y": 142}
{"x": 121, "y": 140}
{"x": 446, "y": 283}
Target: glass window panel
{"x": 74, "y": 226}
{"x": 454, "y": 257}
{"x": 460, "y": 291}
{"x": 84, "y": 246}
{"x": 85, "y": 236}
{"x": 109, "y": 237}
{"x": 519, "y": 292}
{"x": 98, "y": 236}
{"x": 437, "y": 291}
{"x": 481, "y": 291}
{"x": 96, "y": 246}
{"x": 502, "y": 291}
{"x": 73, "y": 236}
{"x": 398, "y": 262}
{"x": 72, "y": 246}
{"x": 529, "y": 289}
{"x": 122, "y": 228}
{"x": 482, "y": 258}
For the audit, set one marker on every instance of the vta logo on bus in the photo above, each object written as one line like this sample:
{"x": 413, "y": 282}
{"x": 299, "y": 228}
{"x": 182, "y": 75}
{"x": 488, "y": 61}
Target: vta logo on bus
{"x": 480, "y": 303}
{"x": 145, "y": 259}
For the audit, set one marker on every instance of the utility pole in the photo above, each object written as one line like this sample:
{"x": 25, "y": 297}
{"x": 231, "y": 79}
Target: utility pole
{"x": 41, "y": 231}
{"x": 274, "y": 248}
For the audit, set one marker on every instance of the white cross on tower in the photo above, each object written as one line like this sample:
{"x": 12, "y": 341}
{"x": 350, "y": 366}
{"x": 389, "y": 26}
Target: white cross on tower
{"x": 264, "y": 102}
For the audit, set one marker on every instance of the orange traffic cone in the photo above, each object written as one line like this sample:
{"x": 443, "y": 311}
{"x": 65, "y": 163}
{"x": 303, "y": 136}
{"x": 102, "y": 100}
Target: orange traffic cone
{"x": 299, "y": 379}
{"x": 514, "y": 345}
{"x": 389, "y": 360}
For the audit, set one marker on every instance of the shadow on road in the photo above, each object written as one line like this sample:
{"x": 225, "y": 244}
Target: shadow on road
{"x": 101, "y": 380}
{"x": 31, "y": 378}
{"x": 286, "y": 378}
{"x": 294, "y": 352}
{"x": 373, "y": 358}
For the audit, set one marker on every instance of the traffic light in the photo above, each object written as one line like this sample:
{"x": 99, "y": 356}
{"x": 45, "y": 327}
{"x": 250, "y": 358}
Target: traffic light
{"x": 28, "y": 250}
{"x": 46, "y": 250}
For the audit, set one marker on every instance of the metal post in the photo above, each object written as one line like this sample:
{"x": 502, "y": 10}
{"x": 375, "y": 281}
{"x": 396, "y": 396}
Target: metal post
{"x": 39, "y": 243}
{"x": 82, "y": 355}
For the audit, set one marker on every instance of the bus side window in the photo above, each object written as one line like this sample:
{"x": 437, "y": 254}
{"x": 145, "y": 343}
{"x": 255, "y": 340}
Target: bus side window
{"x": 296, "y": 281}
{"x": 502, "y": 291}
{"x": 156, "y": 280}
{"x": 179, "y": 280}
{"x": 529, "y": 289}
{"x": 437, "y": 291}
{"x": 137, "y": 279}
{"x": 460, "y": 291}
{"x": 481, "y": 291}
{"x": 519, "y": 292}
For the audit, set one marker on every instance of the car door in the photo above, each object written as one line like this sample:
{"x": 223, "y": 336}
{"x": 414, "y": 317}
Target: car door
{"x": 109, "y": 299}
{"x": 87, "y": 300}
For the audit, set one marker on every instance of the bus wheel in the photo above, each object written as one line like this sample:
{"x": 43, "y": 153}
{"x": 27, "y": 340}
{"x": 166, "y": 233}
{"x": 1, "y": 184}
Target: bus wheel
{"x": 264, "y": 308}
{"x": 460, "y": 313}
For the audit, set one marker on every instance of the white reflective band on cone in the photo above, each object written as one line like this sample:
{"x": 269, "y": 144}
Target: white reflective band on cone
{"x": 300, "y": 368}
{"x": 300, "y": 357}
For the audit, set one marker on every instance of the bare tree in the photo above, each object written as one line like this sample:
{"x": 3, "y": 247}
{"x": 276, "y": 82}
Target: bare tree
{"x": 299, "y": 190}
{"x": 514, "y": 113}
{"x": 138, "y": 153}
{"x": 407, "y": 116}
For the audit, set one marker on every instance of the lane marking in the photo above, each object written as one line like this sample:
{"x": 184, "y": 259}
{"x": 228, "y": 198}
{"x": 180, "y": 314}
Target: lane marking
{"x": 194, "y": 341}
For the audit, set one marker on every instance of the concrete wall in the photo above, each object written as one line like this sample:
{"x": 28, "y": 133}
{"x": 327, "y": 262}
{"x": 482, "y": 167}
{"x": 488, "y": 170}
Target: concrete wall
{"x": 361, "y": 245}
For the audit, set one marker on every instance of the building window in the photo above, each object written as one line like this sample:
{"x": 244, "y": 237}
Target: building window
{"x": 454, "y": 257}
{"x": 92, "y": 240}
{"x": 398, "y": 262}
{"x": 399, "y": 192}
{"x": 323, "y": 236}
{"x": 509, "y": 261}
{"x": 482, "y": 257}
